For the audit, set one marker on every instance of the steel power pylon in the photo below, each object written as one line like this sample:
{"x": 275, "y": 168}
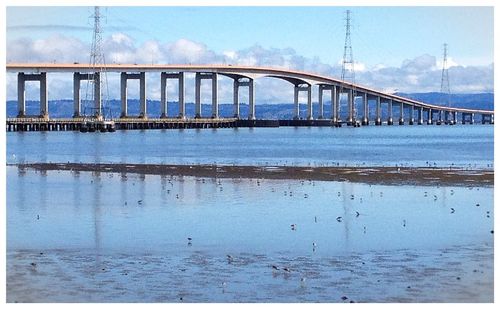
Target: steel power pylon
{"x": 445, "y": 81}
{"x": 97, "y": 65}
{"x": 348, "y": 62}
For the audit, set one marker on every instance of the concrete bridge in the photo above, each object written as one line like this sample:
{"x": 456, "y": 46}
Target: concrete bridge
{"x": 410, "y": 111}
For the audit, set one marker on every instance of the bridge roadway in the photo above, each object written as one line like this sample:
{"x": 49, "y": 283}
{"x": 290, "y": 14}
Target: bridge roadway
{"x": 243, "y": 76}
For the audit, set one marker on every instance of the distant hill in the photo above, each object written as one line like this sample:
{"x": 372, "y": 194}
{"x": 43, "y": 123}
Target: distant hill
{"x": 64, "y": 108}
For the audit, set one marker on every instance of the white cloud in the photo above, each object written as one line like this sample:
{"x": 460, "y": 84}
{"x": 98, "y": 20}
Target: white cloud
{"x": 420, "y": 74}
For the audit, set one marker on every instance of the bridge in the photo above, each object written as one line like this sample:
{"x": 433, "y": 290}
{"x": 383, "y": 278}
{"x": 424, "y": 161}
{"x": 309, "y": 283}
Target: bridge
{"x": 242, "y": 76}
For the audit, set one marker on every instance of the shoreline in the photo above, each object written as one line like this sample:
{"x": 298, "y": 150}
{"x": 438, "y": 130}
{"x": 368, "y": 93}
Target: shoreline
{"x": 422, "y": 176}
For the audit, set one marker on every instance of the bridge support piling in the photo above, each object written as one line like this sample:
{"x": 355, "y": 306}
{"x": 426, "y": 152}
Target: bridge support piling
{"x": 182, "y": 94}
{"x": 378, "y": 119}
{"x": 44, "y": 102}
{"x": 76, "y": 95}
{"x": 142, "y": 95}
{"x": 389, "y": 113}
{"x": 309, "y": 103}
{"x": 335, "y": 104}
{"x": 197, "y": 96}
{"x": 401, "y": 114}
{"x": 320, "y": 101}
{"x": 21, "y": 95}
{"x": 440, "y": 117}
{"x": 236, "y": 98}
{"x": 365, "y": 121}
{"x": 215, "y": 97}
{"x": 421, "y": 116}
{"x": 296, "y": 102}
{"x": 97, "y": 94}
{"x": 251, "y": 99}
{"x": 429, "y": 116}
{"x": 123, "y": 95}
{"x": 411, "y": 120}
{"x": 350, "y": 106}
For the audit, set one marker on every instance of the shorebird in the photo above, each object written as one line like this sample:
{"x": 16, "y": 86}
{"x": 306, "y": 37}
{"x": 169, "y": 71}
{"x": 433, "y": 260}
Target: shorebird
{"x": 189, "y": 241}
{"x": 339, "y": 219}
{"x": 404, "y": 223}
{"x": 452, "y": 210}
{"x": 357, "y": 214}
{"x": 229, "y": 259}
{"x": 287, "y": 269}
{"x": 293, "y": 226}
{"x": 275, "y": 267}
{"x": 139, "y": 202}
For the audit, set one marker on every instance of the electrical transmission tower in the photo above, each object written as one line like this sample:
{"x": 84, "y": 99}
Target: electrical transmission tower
{"x": 445, "y": 81}
{"x": 348, "y": 64}
{"x": 97, "y": 68}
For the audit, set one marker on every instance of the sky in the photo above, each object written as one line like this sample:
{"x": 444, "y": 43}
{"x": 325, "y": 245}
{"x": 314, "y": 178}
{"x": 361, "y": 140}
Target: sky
{"x": 394, "y": 48}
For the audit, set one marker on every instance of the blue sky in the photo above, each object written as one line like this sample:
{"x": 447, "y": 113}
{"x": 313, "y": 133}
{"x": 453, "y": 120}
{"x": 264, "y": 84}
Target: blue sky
{"x": 395, "y": 48}
{"x": 386, "y": 35}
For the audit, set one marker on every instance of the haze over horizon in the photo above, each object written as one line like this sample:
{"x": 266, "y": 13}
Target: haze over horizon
{"x": 400, "y": 51}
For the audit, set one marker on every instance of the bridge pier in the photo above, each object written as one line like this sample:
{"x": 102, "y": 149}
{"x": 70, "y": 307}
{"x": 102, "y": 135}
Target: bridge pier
{"x": 365, "y": 121}
{"x": 420, "y": 116}
{"x": 215, "y": 103}
{"x": 164, "y": 97}
{"x": 320, "y": 101}
{"x": 429, "y": 116}
{"x": 77, "y": 105}
{"x": 401, "y": 114}
{"x": 440, "y": 117}
{"x": 411, "y": 120}
{"x": 124, "y": 77}
{"x": 22, "y": 78}
{"x": 237, "y": 83}
{"x": 389, "y": 113}
{"x": 335, "y": 104}
{"x": 378, "y": 119}
{"x": 297, "y": 88}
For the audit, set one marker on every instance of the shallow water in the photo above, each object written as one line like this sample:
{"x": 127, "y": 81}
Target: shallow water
{"x": 109, "y": 237}
{"x": 461, "y": 145}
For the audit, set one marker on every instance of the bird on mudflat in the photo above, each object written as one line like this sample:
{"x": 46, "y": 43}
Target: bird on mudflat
{"x": 339, "y": 219}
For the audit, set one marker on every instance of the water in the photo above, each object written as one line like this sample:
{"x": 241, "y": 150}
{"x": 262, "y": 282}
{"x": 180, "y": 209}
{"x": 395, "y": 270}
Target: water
{"x": 464, "y": 146}
{"x": 110, "y": 237}
{"x": 125, "y": 238}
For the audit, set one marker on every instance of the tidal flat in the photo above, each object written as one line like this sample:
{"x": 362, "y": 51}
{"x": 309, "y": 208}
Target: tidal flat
{"x": 76, "y": 236}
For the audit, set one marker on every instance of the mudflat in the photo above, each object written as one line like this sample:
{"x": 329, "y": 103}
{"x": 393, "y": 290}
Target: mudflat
{"x": 422, "y": 176}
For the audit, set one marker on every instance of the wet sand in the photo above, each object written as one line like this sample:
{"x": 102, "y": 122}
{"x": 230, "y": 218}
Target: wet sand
{"x": 457, "y": 274}
{"x": 421, "y": 176}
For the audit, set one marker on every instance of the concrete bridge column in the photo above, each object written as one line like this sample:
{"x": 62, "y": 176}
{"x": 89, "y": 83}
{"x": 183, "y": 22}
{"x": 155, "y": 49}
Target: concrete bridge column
{"x": 309, "y": 103}
{"x": 21, "y": 95}
{"x": 421, "y": 115}
{"x": 97, "y": 95}
{"x": 182, "y": 93}
{"x": 471, "y": 118}
{"x": 142, "y": 94}
{"x": 429, "y": 116}
{"x": 454, "y": 117}
{"x": 440, "y": 117}
{"x": 123, "y": 94}
{"x": 320, "y": 101}
{"x": 215, "y": 97}
{"x": 236, "y": 103}
{"x": 76, "y": 95}
{"x": 411, "y": 120}
{"x": 389, "y": 112}
{"x": 163, "y": 95}
{"x": 335, "y": 104}
{"x": 463, "y": 118}
{"x": 296, "y": 102}
{"x": 365, "y": 121}
{"x": 350, "y": 105}
{"x": 401, "y": 114}
{"x": 251, "y": 100}
{"x": 491, "y": 119}
{"x": 197, "y": 96}
{"x": 44, "y": 102}
{"x": 378, "y": 119}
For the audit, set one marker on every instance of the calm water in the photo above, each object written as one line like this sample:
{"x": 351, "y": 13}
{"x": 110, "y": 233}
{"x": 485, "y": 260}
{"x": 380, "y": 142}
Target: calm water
{"x": 121, "y": 229}
{"x": 373, "y": 146}
{"x": 110, "y": 237}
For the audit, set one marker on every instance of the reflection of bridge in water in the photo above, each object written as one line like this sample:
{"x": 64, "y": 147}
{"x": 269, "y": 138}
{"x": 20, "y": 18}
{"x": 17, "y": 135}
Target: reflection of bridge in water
{"x": 410, "y": 111}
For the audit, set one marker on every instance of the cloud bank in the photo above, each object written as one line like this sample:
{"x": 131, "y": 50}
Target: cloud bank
{"x": 420, "y": 74}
